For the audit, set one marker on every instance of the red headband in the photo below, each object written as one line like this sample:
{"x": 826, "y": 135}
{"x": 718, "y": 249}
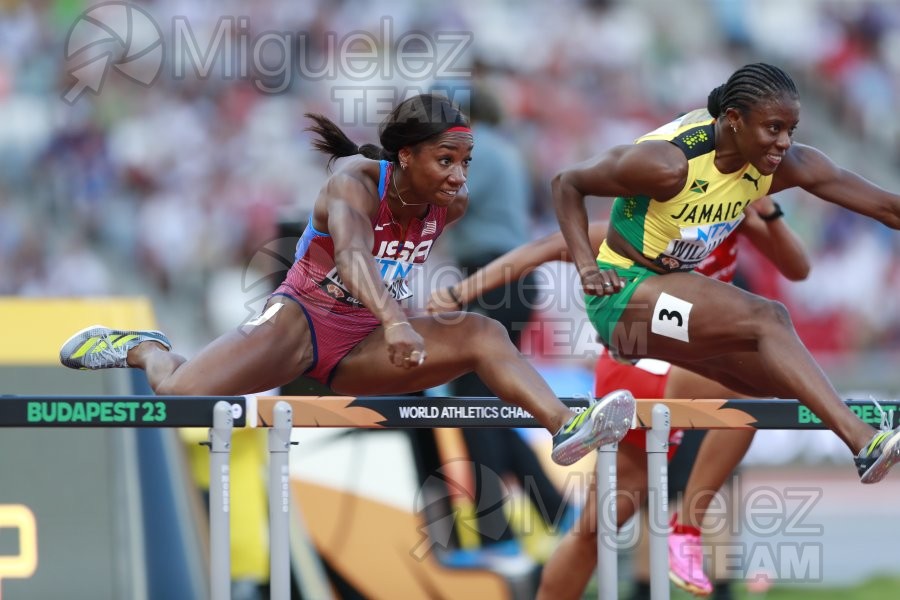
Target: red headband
{"x": 461, "y": 128}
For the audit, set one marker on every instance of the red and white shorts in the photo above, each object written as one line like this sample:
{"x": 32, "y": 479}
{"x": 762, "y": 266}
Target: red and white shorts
{"x": 647, "y": 379}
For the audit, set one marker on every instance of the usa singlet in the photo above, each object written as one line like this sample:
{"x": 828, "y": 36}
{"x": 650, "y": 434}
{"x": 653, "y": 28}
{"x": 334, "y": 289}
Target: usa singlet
{"x": 678, "y": 234}
{"x": 338, "y": 321}
{"x": 315, "y": 276}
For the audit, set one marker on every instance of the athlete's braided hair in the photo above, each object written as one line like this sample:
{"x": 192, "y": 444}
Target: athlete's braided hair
{"x": 747, "y": 86}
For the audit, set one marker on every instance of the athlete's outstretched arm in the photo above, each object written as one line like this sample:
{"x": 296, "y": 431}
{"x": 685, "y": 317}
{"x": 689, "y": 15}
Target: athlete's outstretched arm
{"x": 350, "y": 227}
{"x": 811, "y": 169}
{"x": 509, "y": 267}
{"x": 776, "y": 240}
{"x": 655, "y": 169}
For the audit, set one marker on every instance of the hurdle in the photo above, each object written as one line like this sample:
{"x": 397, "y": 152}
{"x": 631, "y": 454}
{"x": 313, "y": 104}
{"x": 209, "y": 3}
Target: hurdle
{"x": 218, "y": 413}
{"x": 657, "y": 416}
{"x": 280, "y": 414}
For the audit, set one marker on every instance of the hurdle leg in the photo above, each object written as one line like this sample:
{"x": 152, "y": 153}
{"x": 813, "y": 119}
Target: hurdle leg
{"x": 658, "y": 501}
{"x": 607, "y": 529}
{"x": 279, "y": 503}
{"x": 219, "y": 502}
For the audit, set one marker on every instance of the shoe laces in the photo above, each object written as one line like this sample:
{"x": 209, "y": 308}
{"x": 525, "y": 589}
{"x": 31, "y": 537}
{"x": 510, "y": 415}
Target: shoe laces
{"x": 107, "y": 354}
{"x": 583, "y": 414}
{"x": 587, "y": 396}
{"x": 887, "y": 416}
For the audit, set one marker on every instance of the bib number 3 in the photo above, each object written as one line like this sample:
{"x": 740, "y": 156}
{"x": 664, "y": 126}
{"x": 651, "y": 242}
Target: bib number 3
{"x": 671, "y": 316}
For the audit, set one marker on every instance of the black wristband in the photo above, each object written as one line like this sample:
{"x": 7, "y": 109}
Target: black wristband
{"x": 454, "y": 296}
{"x": 776, "y": 214}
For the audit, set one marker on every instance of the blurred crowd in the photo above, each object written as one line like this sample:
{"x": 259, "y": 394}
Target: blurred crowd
{"x": 171, "y": 189}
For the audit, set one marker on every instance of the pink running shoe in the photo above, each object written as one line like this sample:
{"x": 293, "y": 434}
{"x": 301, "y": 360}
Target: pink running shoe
{"x": 686, "y": 560}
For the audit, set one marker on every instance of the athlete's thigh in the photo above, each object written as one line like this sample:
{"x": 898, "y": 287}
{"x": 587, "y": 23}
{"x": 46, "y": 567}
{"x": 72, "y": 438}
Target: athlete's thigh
{"x": 450, "y": 343}
{"x": 689, "y": 383}
{"x": 265, "y": 353}
{"x": 686, "y": 316}
{"x": 743, "y": 372}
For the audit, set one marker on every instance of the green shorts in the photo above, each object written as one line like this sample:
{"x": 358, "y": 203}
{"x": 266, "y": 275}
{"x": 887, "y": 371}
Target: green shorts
{"x": 605, "y": 311}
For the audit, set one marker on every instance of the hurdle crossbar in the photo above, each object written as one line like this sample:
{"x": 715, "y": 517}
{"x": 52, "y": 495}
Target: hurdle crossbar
{"x": 280, "y": 413}
{"x": 403, "y": 412}
{"x": 116, "y": 411}
{"x": 396, "y": 412}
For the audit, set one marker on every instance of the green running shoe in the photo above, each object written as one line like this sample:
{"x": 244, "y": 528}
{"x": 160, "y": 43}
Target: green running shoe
{"x": 99, "y": 347}
{"x": 602, "y": 423}
{"x": 878, "y": 456}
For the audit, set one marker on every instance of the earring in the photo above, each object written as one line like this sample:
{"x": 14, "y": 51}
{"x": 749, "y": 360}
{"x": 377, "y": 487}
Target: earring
{"x": 733, "y": 129}
{"x": 403, "y": 165}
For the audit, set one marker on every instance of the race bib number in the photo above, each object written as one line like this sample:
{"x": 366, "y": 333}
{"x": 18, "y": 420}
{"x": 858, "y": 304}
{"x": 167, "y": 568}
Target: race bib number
{"x": 671, "y": 316}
